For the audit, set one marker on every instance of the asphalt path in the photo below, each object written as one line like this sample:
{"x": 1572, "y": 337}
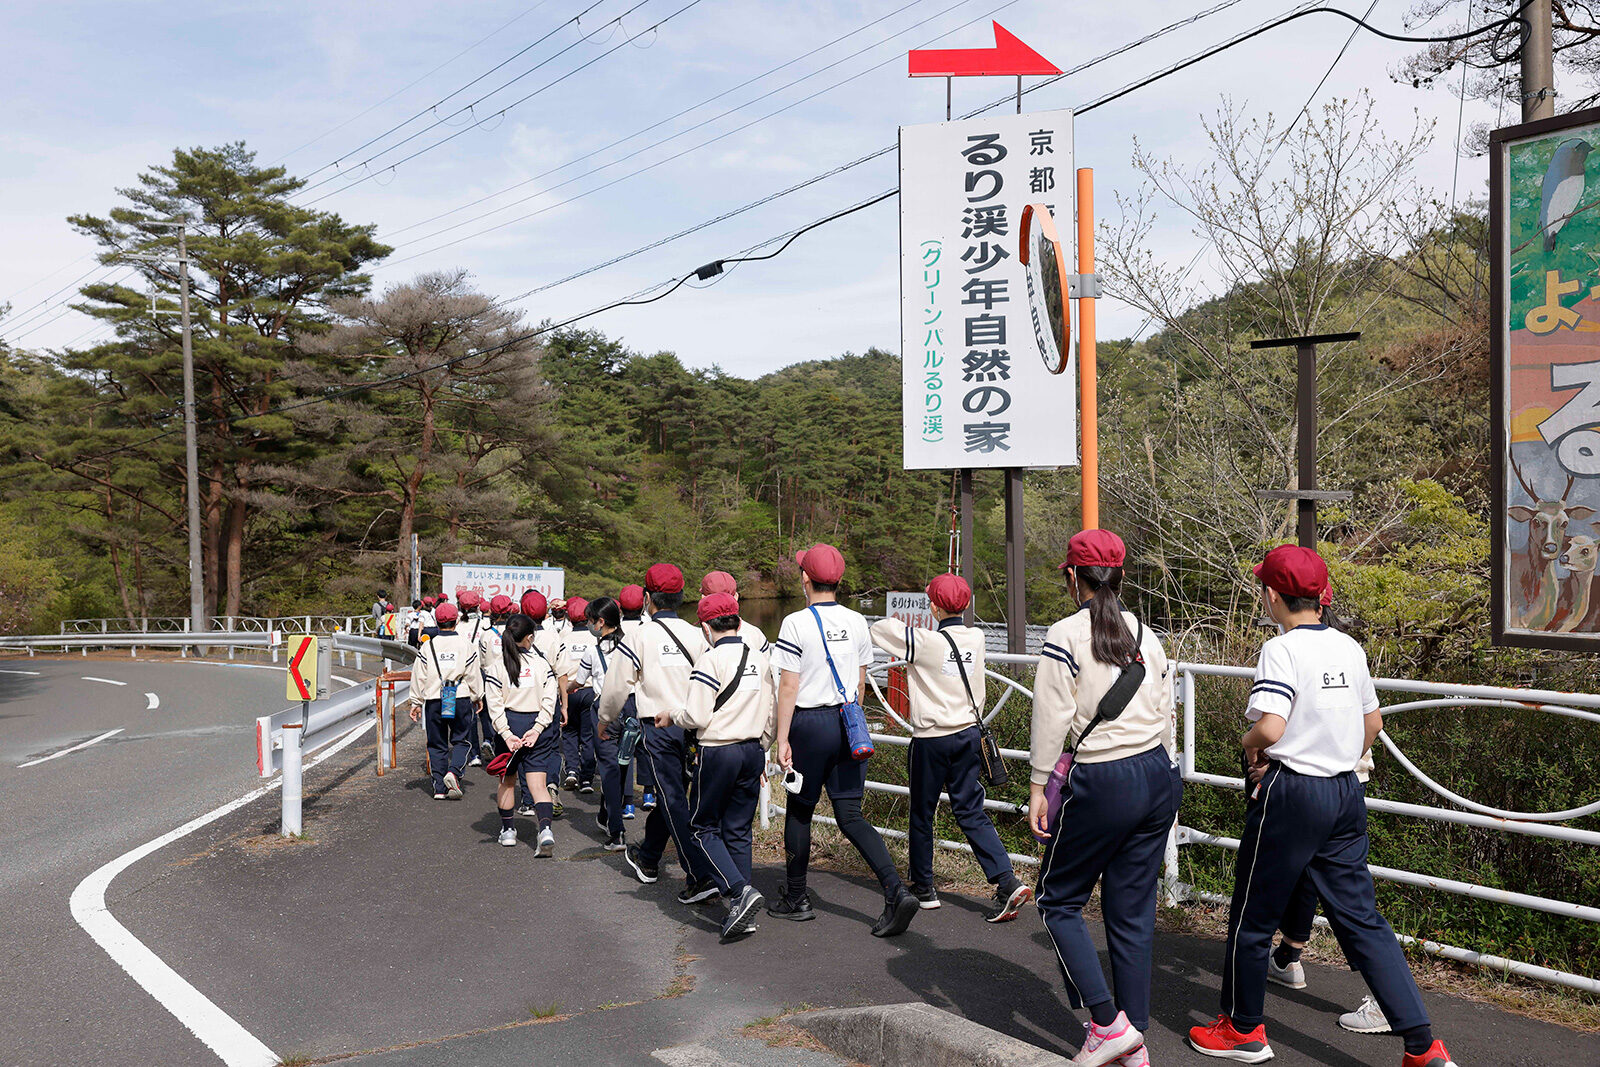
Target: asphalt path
{"x": 66, "y": 1001}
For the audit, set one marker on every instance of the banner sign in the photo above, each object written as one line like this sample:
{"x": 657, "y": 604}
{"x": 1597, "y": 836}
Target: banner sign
{"x": 976, "y": 391}
{"x": 913, "y": 609}
{"x": 489, "y": 581}
{"x": 1545, "y": 301}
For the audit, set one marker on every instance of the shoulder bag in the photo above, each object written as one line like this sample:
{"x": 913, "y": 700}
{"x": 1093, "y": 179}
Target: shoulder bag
{"x": 990, "y": 762}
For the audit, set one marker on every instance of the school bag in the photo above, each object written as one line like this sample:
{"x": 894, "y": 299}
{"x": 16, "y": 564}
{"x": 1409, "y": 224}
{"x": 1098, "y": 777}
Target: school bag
{"x": 992, "y": 766}
{"x": 1112, "y": 705}
{"x": 855, "y": 719}
{"x": 447, "y": 687}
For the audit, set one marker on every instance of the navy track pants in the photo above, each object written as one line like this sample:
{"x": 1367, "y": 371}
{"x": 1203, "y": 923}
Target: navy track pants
{"x": 1300, "y": 825}
{"x": 951, "y": 763}
{"x": 665, "y": 750}
{"x": 723, "y": 794}
{"x": 449, "y": 740}
{"x": 577, "y": 736}
{"x": 1112, "y": 828}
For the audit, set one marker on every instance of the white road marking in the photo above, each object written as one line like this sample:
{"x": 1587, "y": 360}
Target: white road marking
{"x": 155, "y": 702}
{"x": 35, "y": 674}
{"x": 108, "y": 681}
{"x": 220, "y": 1032}
{"x": 74, "y": 748}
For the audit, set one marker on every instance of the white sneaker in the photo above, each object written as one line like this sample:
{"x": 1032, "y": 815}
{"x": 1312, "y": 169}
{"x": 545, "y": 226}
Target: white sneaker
{"x": 452, "y": 787}
{"x": 1107, "y": 1044}
{"x": 508, "y": 836}
{"x": 547, "y": 843}
{"x": 1293, "y": 976}
{"x": 1367, "y": 1019}
{"x": 1139, "y": 1057}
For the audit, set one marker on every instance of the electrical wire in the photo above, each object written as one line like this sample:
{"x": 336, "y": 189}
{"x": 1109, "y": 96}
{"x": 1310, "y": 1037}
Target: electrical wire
{"x": 390, "y": 167}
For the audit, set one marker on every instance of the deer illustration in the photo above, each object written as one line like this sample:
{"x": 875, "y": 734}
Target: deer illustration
{"x": 1582, "y": 553}
{"x": 1533, "y": 568}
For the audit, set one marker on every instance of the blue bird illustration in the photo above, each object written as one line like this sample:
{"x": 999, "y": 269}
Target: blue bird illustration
{"x": 1563, "y": 188}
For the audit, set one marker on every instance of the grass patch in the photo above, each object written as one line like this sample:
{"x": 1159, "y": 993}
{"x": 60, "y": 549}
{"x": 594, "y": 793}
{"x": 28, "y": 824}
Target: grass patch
{"x": 544, "y": 1011}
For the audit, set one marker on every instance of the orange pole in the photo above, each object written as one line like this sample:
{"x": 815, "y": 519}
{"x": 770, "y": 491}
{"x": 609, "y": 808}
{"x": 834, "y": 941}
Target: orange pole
{"x": 1088, "y": 400}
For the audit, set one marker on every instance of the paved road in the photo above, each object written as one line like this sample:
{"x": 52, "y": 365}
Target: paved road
{"x": 65, "y": 1000}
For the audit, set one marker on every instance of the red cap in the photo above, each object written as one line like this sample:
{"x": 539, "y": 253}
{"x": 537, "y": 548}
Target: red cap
{"x": 950, "y": 592}
{"x": 500, "y": 605}
{"x": 663, "y": 578}
{"x": 445, "y": 612}
{"x": 822, "y": 563}
{"x": 534, "y": 605}
{"x": 469, "y": 599}
{"x": 719, "y": 582}
{"x": 1290, "y": 570}
{"x": 1095, "y": 548}
{"x": 443, "y": 597}
{"x": 631, "y": 598}
{"x": 577, "y": 608}
{"x": 428, "y": 601}
{"x": 716, "y": 605}
{"x": 498, "y": 765}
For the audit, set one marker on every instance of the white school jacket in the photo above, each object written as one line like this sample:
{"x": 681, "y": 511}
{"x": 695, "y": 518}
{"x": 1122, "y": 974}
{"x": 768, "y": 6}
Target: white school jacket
{"x": 651, "y": 661}
{"x": 751, "y": 710}
{"x": 535, "y": 693}
{"x": 448, "y": 657}
{"x": 1067, "y": 691}
{"x": 578, "y": 642}
{"x": 939, "y": 702}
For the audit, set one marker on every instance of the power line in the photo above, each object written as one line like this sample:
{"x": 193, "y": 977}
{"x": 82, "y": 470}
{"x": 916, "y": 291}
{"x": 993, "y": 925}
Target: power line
{"x": 502, "y": 111}
{"x": 417, "y": 81}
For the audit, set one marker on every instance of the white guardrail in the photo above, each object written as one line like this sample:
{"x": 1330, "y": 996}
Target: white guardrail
{"x": 1583, "y": 706}
{"x": 284, "y": 738}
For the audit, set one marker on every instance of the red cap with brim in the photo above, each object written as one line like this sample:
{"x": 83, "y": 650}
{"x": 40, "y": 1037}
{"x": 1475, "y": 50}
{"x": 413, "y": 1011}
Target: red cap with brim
{"x": 501, "y": 605}
{"x": 497, "y": 766}
{"x": 469, "y": 599}
{"x": 822, "y": 563}
{"x": 719, "y": 582}
{"x": 716, "y": 606}
{"x": 663, "y": 578}
{"x": 1290, "y": 570}
{"x": 631, "y": 598}
{"x": 950, "y": 592}
{"x": 534, "y": 605}
{"x": 445, "y": 613}
{"x": 1095, "y": 548}
{"x": 577, "y": 609}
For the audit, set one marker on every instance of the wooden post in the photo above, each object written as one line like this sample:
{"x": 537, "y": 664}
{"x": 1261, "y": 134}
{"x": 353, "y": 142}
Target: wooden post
{"x": 966, "y": 540}
{"x": 1016, "y": 577}
{"x": 1088, "y": 396}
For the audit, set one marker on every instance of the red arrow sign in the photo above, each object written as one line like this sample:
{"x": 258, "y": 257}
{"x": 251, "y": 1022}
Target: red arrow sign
{"x": 1009, "y": 56}
{"x": 294, "y": 669}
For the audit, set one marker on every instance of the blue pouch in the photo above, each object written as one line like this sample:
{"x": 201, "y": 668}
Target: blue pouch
{"x": 857, "y": 736}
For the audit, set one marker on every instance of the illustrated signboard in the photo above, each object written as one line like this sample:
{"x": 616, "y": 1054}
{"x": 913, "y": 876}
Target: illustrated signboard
{"x": 976, "y": 387}
{"x": 913, "y": 609}
{"x": 1545, "y": 245}
{"x": 489, "y": 580}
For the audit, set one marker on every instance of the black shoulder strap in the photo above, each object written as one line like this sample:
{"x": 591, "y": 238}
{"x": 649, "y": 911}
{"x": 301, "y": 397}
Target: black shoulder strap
{"x": 1099, "y": 712}
{"x": 733, "y": 686}
{"x": 675, "y": 639}
{"x": 962, "y": 667}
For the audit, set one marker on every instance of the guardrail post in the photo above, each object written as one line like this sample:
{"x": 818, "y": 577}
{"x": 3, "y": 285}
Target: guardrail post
{"x": 766, "y": 802}
{"x": 1188, "y": 724}
{"x": 377, "y": 726}
{"x": 1172, "y": 888}
{"x": 291, "y": 779}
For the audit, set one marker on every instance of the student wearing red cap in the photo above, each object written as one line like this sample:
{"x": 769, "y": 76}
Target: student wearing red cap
{"x": 944, "y": 672}
{"x": 553, "y": 648}
{"x": 471, "y": 624}
{"x": 723, "y": 582}
{"x": 521, "y": 692}
{"x": 631, "y": 602}
{"x": 731, "y": 710}
{"x": 1314, "y": 711}
{"x": 577, "y": 734}
{"x": 658, "y": 659}
{"x": 606, "y": 619}
{"x": 1103, "y": 691}
{"x": 448, "y": 661}
{"x": 824, "y": 652}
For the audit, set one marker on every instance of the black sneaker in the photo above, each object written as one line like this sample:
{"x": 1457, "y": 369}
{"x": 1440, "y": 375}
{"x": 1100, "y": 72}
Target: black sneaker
{"x": 794, "y": 910}
{"x": 527, "y": 810}
{"x": 927, "y": 896}
{"x": 695, "y": 892}
{"x": 615, "y": 844}
{"x": 740, "y": 920}
{"x": 897, "y": 916}
{"x": 486, "y": 752}
{"x": 1009, "y": 897}
{"x": 570, "y": 782}
{"x": 647, "y": 875}
{"x": 586, "y": 787}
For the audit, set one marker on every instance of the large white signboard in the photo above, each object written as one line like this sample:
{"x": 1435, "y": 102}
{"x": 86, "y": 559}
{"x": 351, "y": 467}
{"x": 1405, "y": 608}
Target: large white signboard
{"x": 489, "y": 581}
{"x": 976, "y": 391}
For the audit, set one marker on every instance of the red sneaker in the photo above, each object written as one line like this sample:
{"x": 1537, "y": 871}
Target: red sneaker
{"x": 1220, "y": 1039}
{"x": 1436, "y": 1056}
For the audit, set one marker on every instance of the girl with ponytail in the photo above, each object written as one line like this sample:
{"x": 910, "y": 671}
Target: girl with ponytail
{"x": 1103, "y": 718}
{"x": 522, "y": 692}
{"x": 616, "y": 785}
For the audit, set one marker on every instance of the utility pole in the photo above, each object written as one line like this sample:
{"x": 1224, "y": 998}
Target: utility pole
{"x": 1538, "y": 63}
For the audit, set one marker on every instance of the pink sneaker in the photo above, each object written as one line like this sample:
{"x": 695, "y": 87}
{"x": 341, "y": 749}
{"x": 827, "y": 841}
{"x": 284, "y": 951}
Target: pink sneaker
{"x": 1107, "y": 1044}
{"x": 1139, "y": 1057}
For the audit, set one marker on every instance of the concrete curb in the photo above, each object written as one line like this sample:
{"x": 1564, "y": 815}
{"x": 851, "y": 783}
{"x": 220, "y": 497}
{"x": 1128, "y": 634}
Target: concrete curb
{"x": 917, "y": 1035}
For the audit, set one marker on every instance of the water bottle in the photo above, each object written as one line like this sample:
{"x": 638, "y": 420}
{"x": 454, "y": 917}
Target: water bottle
{"x": 447, "y": 700}
{"x": 1053, "y": 789}
{"x": 631, "y": 732}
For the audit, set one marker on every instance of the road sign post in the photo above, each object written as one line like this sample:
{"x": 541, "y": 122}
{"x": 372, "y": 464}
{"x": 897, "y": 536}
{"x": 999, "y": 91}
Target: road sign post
{"x": 291, "y": 772}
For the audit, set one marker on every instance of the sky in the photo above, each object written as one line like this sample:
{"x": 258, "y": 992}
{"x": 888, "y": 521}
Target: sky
{"x": 97, "y": 92}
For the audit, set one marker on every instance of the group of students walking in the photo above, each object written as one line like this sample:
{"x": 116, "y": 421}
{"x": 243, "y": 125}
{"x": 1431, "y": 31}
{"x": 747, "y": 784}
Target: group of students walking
{"x": 699, "y": 707}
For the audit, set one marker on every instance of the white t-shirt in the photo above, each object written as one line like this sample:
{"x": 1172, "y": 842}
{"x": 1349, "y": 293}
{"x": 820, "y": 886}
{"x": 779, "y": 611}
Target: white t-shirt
{"x": 799, "y": 651}
{"x": 1316, "y": 678}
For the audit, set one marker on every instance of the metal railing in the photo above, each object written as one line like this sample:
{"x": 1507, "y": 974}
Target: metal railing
{"x": 288, "y": 624}
{"x": 1582, "y": 706}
